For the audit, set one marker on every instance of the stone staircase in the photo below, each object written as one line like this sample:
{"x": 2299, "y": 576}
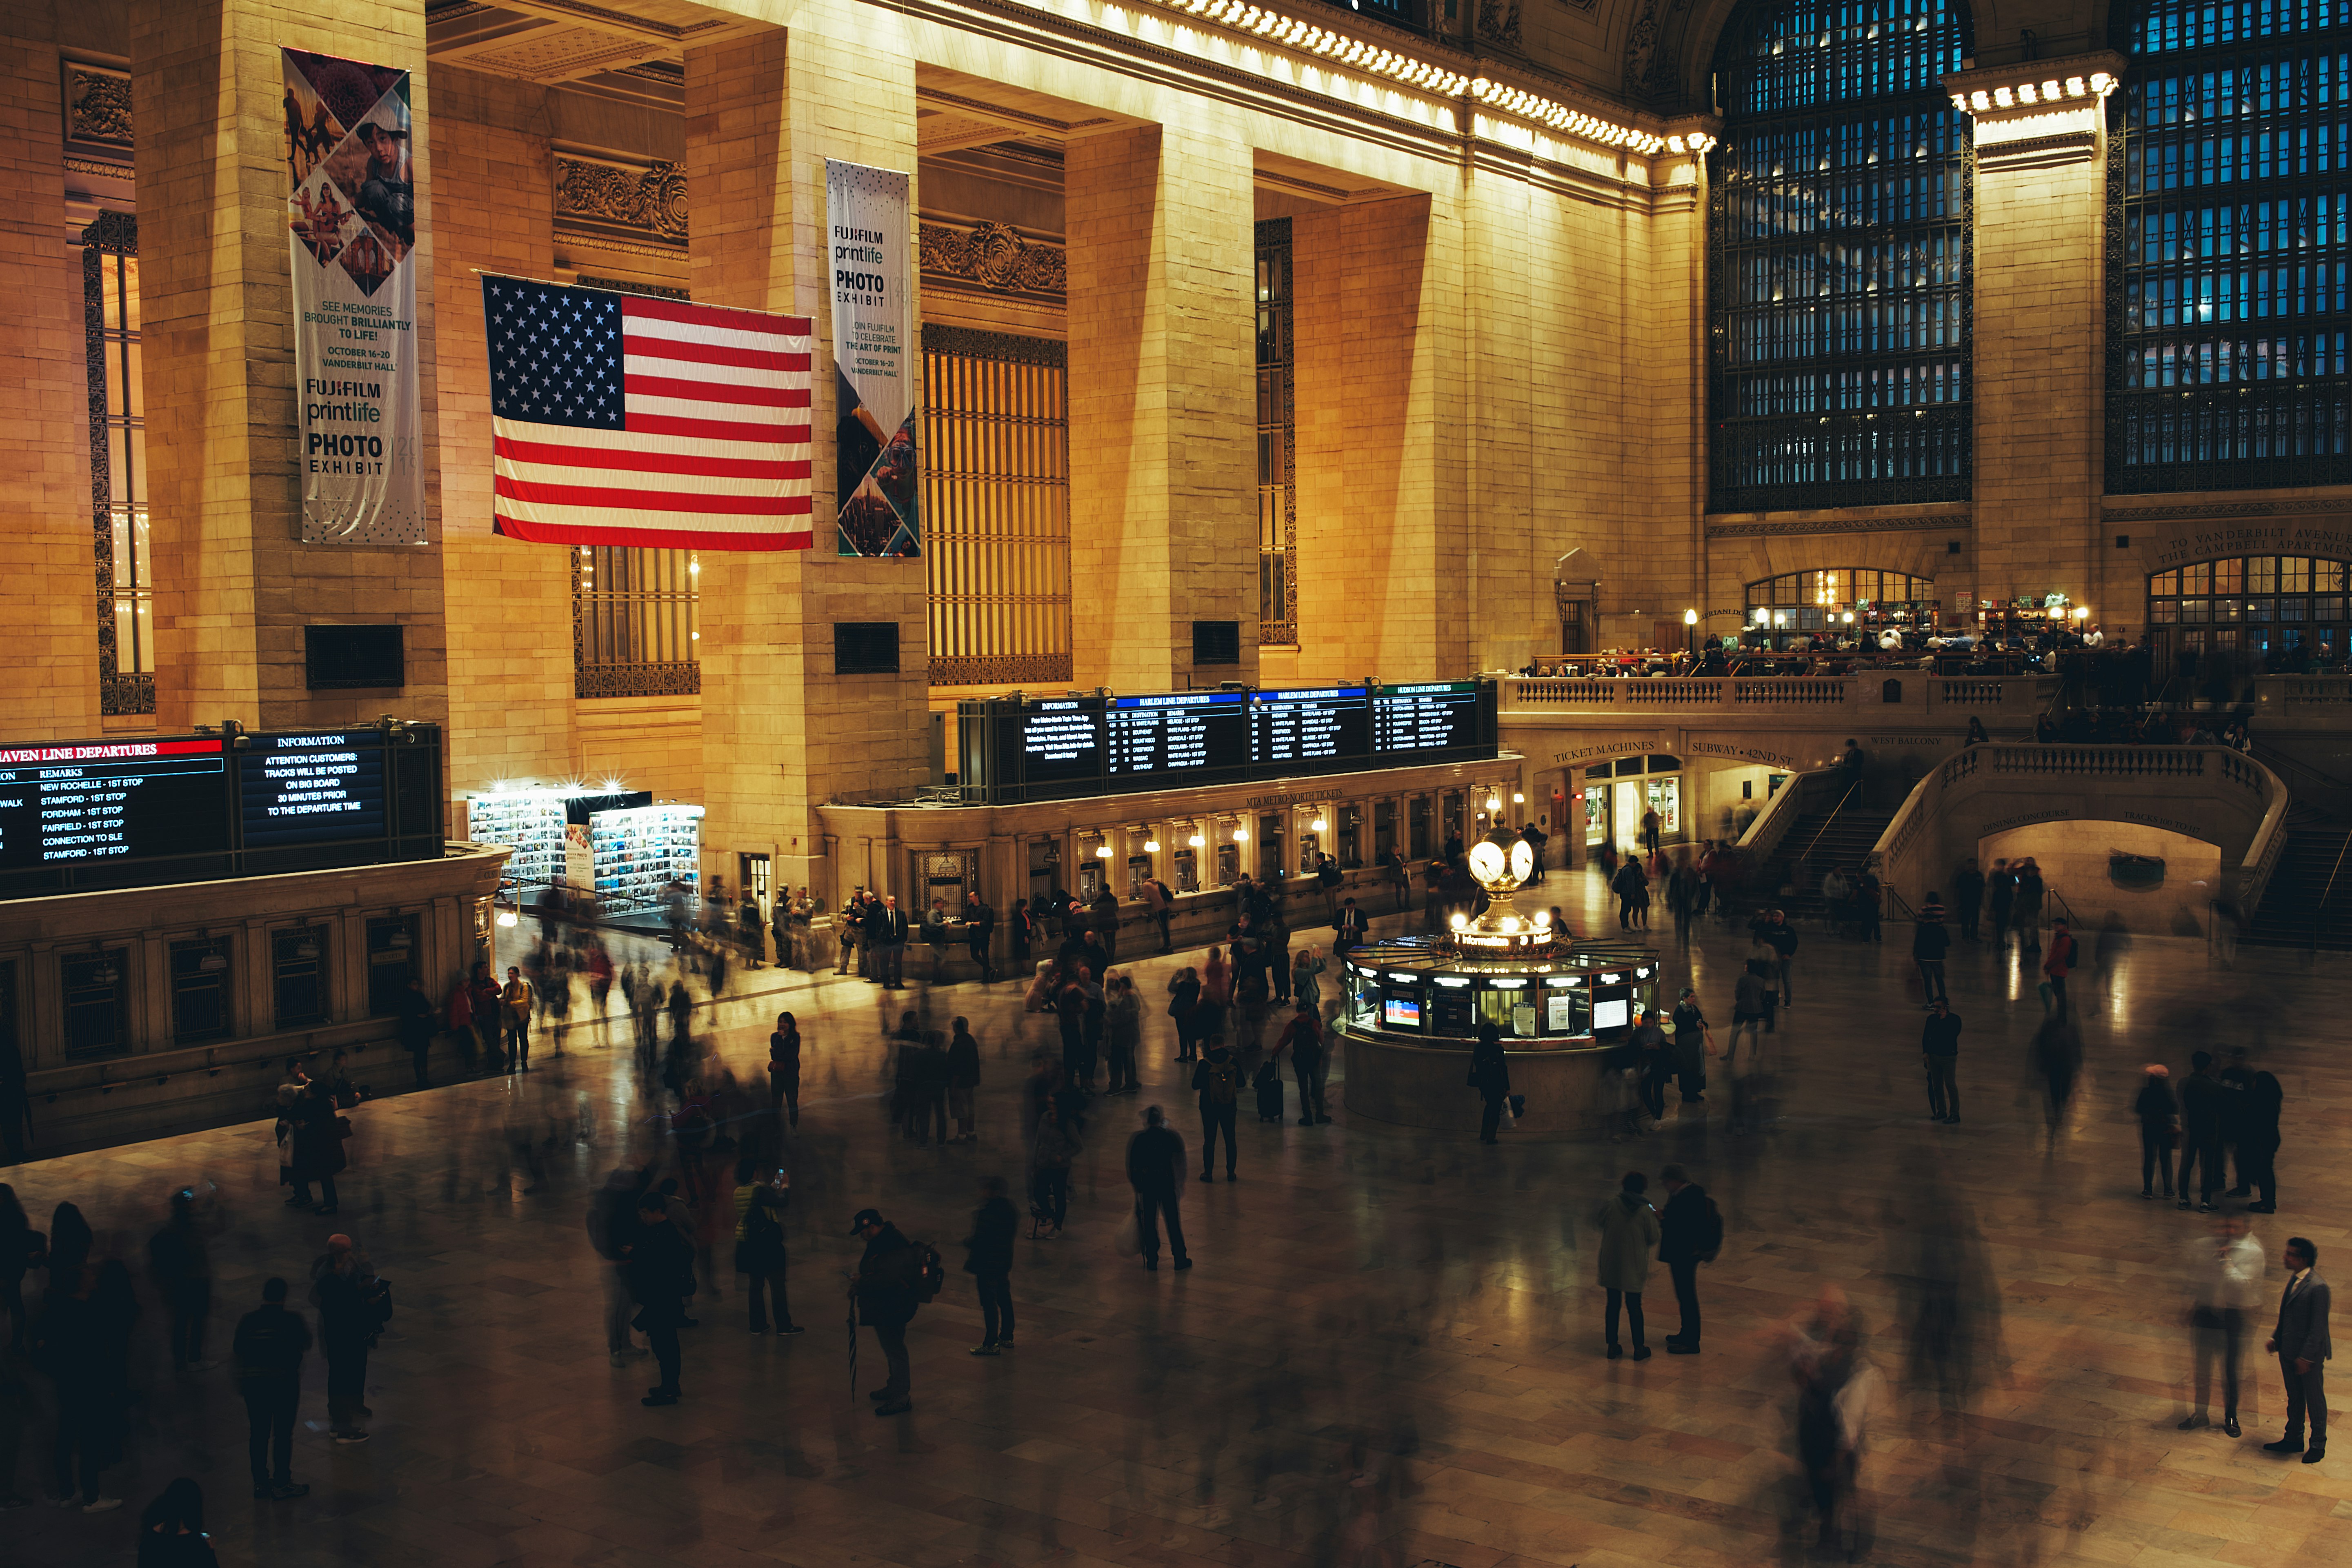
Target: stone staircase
{"x": 1823, "y": 839}
{"x": 2309, "y": 899}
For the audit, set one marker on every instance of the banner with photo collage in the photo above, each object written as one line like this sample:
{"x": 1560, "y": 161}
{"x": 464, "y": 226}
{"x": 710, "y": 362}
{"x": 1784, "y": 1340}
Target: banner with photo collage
{"x": 351, "y": 216}
{"x": 874, "y": 386}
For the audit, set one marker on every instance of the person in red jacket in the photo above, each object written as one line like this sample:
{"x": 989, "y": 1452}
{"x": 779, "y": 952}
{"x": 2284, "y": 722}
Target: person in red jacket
{"x": 2057, "y": 963}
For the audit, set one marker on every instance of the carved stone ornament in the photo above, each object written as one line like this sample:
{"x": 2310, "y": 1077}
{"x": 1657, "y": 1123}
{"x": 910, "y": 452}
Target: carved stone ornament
{"x": 649, "y": 200}
{"x": 993, "y": 256}
{"x": 1499, "y": 21}
{"x": 97, "y": 105}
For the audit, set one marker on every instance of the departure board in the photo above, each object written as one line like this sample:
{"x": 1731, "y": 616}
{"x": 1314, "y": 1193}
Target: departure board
{"x": 92, "y": 802}
{"x": 1184, "y": 737}
{"x": 313, "y": 788}
{"x": 1061, "y": 747}
{"x": 1319, "y": 728}
{"x": 1417, "y": 721}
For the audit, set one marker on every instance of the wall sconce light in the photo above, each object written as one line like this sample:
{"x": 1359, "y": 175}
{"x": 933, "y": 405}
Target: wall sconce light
{"x": 1197, "y": 842}
{"x": 1152, "y": 847}
{"x": 1241, "y": 835}
{"x": 1317, "y": 826}
{"x": 1102, "y": 851}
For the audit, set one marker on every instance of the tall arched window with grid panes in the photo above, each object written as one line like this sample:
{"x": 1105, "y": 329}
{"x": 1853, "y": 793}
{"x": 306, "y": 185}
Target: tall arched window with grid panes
{"x": 1838, "y": 257}
{"x": 2230, "y": 320}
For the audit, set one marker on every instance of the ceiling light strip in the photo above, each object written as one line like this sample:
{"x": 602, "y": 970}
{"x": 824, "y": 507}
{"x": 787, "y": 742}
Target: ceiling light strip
{"x": 1372, "y": 59}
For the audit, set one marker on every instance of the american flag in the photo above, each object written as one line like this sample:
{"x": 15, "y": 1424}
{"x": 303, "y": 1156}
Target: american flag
{"x": 624, "y": 419}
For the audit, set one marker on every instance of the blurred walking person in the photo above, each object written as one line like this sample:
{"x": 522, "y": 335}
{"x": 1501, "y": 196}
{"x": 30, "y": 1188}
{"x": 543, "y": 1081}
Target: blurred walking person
{"x": 1837, "y": 1392}
{"x": 1490, "y": 1075}
{"x": 2201, "y": 1107}
{"x": 179, "y": 1257}
{"x": 1939, "y": 1048}
{"x": 661, "y": 1276}
{"x": 349, "y": 1317}
{"x": 2226, "y": 1270}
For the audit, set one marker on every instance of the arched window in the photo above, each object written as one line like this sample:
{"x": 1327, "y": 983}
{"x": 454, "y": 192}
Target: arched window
{"x": 2228, "y": 295}
{"x": 1838, "y": 250}
{"x": 2274, "y": 610}
{"x": 1809, "y": 601}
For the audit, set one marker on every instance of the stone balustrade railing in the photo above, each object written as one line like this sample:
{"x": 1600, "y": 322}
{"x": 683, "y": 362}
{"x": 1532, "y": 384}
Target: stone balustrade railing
{"x": 1953, "y": 698}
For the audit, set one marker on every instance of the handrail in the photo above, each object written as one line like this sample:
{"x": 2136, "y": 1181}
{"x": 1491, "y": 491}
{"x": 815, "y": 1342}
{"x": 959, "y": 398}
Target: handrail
{"x": 2055, "y": 897}
{"x": 2319, "y": 911}
{"x": 2278, "y": 762}
{"x": 1805, "y": 859}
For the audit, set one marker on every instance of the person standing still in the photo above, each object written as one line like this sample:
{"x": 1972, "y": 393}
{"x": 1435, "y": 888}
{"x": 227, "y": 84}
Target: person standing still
{"x": 2301, "y": 1344}
{"x": 845, "y": 929}
{"x": 270, "y": 1346}
{"x": 963, "y": 1079}
{"x": 514, "y": 1015}
{"x": 1217, "y": 1080}
{"x": 2159, "y": 1128}
{"x": 1967, "y": 894}
{"x": 179, "y": 1255}
{"x": 759, "y": 1254}
{"x": 1929, "y": 942}
{"x": 893, "y": 927}
{"x": 1302, "y": 1036}
{"x": 2226, "y": 1268}
{"x": 1629, "y": 1229}
{"x": 1939, "y": 1045}
{"x": 2200, "y": 1131}
{"x": 1690, "y": 1232}
{"x": 1779, "y": 935}
{"x": 784, "y": 1069}
{"x": 888, "y": 1275}
{"x": 2000, "y": 898}
{"x": 348, "y": 1320}
{"x": 988, "y": 1259}
{"x": 1155, "y": 1169}
{"x": 980, "y": 935}
{"x": 2058, "y": 963}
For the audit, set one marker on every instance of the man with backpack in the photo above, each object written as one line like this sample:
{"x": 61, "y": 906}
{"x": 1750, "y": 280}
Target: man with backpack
{"x": 1217, "y": 1079}
{"x": 894, "y": 1278}
{"x": 1690, "y": 1232}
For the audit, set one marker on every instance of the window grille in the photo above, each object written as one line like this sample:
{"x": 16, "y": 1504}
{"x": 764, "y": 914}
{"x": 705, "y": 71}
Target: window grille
{"x": 633, "y": 621}
{"x": 1839, "y": 316}
{"x": 118, "y": 466}
{"x": 2229, "y": 248}
{"x": 1277, "y": 440}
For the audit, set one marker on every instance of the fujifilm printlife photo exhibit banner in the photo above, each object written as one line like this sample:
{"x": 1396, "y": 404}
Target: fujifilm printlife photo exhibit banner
{"x": 351, "y": 212}
{"x": 873, "y": 373}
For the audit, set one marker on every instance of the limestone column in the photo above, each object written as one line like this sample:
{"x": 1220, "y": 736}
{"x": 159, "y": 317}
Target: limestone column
{"x": 1164, "y": 466}
{"x": 782, "y": 732}
{"x": 2040, "y": 361}
{"x": 45, "y": 598}
{"x": 1377, "y": 520}
{"x": 234, "y": 587}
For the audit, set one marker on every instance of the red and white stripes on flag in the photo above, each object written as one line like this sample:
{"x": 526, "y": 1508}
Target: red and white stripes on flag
{"x": 624, "y": 419}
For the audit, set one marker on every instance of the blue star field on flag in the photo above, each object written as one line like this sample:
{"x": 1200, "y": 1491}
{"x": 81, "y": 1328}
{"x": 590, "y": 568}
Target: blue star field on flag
{"x": 556, "y": 353}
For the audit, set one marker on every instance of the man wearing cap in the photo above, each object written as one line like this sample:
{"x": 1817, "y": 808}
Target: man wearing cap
{"x": 885, "y": 1288}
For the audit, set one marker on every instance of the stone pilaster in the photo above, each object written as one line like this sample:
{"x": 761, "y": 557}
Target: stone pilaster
{"x": 1163, "y": 468}
{"x": 2040, "y": 361}
{"x": 45, "y": 596}
{"x": 782, "y": 731}
{"x": 234, "y": 587}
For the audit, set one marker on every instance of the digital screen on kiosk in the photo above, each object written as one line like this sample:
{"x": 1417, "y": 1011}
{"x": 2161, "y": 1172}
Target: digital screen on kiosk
{"x": 1401, "y": 1010}
{"x": 313, "y": 788}
{"x": 1318, "y": 726}
{"x": 89, "y": 802}
{"x": 1183, "y": 736}
{"x": 1062, "y": 745}
{"x": 1436, "y": 716}
{"x": 1612, "y": 1015}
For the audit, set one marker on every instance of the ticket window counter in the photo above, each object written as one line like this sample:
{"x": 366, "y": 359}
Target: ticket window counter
{"x": 1451, "y": 816}
{"x": 1348, "y": 841}
{"x": 1271, "y": 838}
{"x": 1417, "y": 815}
{"x": 1091, "y": 879}
{"x": 1044, "y": 868}
{"x": 1139, "y": 871}
{"x": 1384, "y": 829}
{"x": 1583, "y": 1008}
{"x": 1186, "y": 863}
{"x": 1229, "y": 864}
{"x": 947, "y": 878}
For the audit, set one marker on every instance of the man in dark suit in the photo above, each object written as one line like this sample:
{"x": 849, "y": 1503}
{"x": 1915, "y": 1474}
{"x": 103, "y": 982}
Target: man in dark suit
{"x": 2303, "y": 1349}
{"x": 891, "y": 925}
{"x": 1351, "y": 925}
{"x": 979, "y": 926}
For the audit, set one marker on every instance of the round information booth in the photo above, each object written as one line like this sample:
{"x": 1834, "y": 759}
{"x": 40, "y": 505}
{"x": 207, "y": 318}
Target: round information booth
{"x": 1414, "y": 1007}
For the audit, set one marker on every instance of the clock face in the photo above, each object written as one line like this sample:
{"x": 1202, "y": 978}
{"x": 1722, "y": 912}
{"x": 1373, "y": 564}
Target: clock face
{"x": 1523, "y": 859}
{"x": 1485, "y": 862}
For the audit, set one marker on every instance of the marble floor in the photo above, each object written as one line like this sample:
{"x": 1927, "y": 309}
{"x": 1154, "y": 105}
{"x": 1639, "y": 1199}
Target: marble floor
{"x": 1389, "y": 1353}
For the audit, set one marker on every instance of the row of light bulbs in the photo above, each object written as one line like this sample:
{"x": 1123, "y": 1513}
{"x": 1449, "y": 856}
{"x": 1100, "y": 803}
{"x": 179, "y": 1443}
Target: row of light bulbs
{"x": 1200, "y": 841}
{"x": 2097, "y": 85}
{"x": 1375, "y": 61}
